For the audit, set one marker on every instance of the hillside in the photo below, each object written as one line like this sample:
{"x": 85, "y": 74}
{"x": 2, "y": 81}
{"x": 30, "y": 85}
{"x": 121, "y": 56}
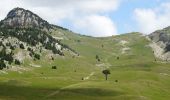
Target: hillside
{"x": 136, "y": 74}
{"x": 25, "y": 35}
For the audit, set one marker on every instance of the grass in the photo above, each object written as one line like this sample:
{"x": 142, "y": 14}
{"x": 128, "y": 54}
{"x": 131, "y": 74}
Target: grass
{"x": 139, "y": 76}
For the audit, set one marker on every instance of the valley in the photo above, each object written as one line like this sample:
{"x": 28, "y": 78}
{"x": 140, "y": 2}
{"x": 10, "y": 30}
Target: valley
{"x": 136, "y": 74}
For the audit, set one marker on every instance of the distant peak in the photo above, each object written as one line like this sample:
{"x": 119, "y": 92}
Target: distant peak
{"x": 18, "y": 8}
{"x": 16, "y": 12}
{"x": 19, "y": 17}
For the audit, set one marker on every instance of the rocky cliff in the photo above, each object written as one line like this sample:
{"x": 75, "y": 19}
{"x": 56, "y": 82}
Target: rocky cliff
{"x": 21, "y": 18}
{"x": 161, "y": 43}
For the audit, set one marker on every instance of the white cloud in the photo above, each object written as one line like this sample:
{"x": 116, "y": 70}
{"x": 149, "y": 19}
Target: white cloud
{"x": 150, "y": 20}
{"x": 98, "y": 25}
{"x": 93, "y": 6}
{"x": 6, "y": 6}
{"x": 57, "y": 11}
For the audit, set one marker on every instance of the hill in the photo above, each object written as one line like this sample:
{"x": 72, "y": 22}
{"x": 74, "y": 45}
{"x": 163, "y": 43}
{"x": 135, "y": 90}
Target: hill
{"x": 25, "y": 35}
{"x": 136, "y": 74}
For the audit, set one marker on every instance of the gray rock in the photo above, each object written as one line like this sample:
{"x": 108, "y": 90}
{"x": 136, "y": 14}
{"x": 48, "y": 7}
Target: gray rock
{"x": 21, "y": 18}
{"x": 162, "y": 39}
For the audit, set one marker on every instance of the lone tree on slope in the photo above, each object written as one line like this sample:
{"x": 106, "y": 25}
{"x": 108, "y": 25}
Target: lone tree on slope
{"x": 106, "y": 73}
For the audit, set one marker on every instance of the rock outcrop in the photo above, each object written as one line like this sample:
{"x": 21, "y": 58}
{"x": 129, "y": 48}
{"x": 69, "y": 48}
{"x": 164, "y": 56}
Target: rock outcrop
{"x": 21, "y": 18}
{"x": 161, "y": 43}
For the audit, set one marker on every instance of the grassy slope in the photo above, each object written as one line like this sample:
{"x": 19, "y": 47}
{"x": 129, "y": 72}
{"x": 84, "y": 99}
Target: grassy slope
{"x": 139, "y": 76}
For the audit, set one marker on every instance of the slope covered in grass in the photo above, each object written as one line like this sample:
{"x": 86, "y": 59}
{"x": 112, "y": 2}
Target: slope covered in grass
{"x": 135, "y": 75}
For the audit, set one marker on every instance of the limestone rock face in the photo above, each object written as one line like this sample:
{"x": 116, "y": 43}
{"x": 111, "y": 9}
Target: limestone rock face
{"x": 21, "y": 18}
{"x": 162, "y": 38}
{"x": 161, "y": 41}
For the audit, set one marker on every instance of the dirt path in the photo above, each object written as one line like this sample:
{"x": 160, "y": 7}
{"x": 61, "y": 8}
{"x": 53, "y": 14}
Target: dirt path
{"x": 58, "y": 91}
{"x": 69, "y": 86}
{"x": 91, "y": 74}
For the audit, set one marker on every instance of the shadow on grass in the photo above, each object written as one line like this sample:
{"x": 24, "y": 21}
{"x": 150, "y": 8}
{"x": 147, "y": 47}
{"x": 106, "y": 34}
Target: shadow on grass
{"x": 13, "y": 92}
{"x": 92, "y": 92}
{"x": 86, "y": 94}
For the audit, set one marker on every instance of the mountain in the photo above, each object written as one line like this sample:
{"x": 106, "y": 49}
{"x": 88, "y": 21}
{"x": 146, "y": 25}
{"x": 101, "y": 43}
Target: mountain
{"x": 161, "y": 43}
{"x": 21, "y": 18}
{"x": 58, "y": 64}
{"x": 27, "y": 31}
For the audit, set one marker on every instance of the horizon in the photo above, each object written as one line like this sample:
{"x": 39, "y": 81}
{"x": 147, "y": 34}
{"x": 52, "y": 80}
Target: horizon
{"x": 98, "y": 18}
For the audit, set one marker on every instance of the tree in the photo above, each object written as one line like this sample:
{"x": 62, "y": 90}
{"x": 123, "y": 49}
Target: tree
{"x": 97, "y": 58}
{"x": 9, "y": 57}
{"x": 12, "y": 47}
{"x": 29, "y": 49}
{"x": 22, "y": 46}
{"x": 106, "y": 73}
{"x": 2, "y": 65}
{"x": 17, "y": 62}
{"x": 37, "y": 56}
{"x": 52, "y": 58}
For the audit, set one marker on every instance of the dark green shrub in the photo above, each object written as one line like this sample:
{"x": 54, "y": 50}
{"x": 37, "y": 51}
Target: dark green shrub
{"x": 21, "y": 46}
{"x": 12, "y": 47}
{"x": 54, "y": 67}
{"x": 2, "y": 65}
{"x": 17, "y": 62}
{"x": 37, "y": 56}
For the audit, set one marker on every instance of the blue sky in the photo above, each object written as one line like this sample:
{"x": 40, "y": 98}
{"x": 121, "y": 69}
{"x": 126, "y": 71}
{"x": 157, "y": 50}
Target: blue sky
{"x": 124, "y": 16}
{"x": 98, "y": 17}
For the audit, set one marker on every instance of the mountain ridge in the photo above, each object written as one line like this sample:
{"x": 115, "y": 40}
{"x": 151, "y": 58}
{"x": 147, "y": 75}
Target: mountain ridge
{"x": 27, "y": 31}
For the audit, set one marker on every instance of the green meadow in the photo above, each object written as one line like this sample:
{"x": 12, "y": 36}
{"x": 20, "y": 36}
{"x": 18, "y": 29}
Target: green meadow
{"x": 135, "y": 73}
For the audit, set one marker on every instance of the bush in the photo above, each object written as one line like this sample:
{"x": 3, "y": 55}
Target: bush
{"x": 8, "y": 44}
{"x": 31, "y": 54}
{"x": 12, "y": 47}
{"x": 29, "y": 49}
{"x": 97, "y": 58}
{"x": 22, "y": 46}
{"x": 9, "y": 58}
{"x": 37, "y": 56}
{"x": 5, "y": 56}
{"x": 2, "y": 65}
{"x": 17, "y": 62}
{"x": 52, "y": 58}
{"x": 54, "y": 67}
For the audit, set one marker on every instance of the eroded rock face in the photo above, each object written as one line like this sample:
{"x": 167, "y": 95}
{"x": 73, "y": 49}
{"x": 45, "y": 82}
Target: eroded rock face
{"x": 162, "y": 38}
{"x": 21, "y": 18}
{"x": 161, "y": 41}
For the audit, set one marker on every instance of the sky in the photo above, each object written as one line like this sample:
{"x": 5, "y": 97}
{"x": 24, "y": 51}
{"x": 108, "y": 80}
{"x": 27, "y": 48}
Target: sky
{"x": 99, "y": 18}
